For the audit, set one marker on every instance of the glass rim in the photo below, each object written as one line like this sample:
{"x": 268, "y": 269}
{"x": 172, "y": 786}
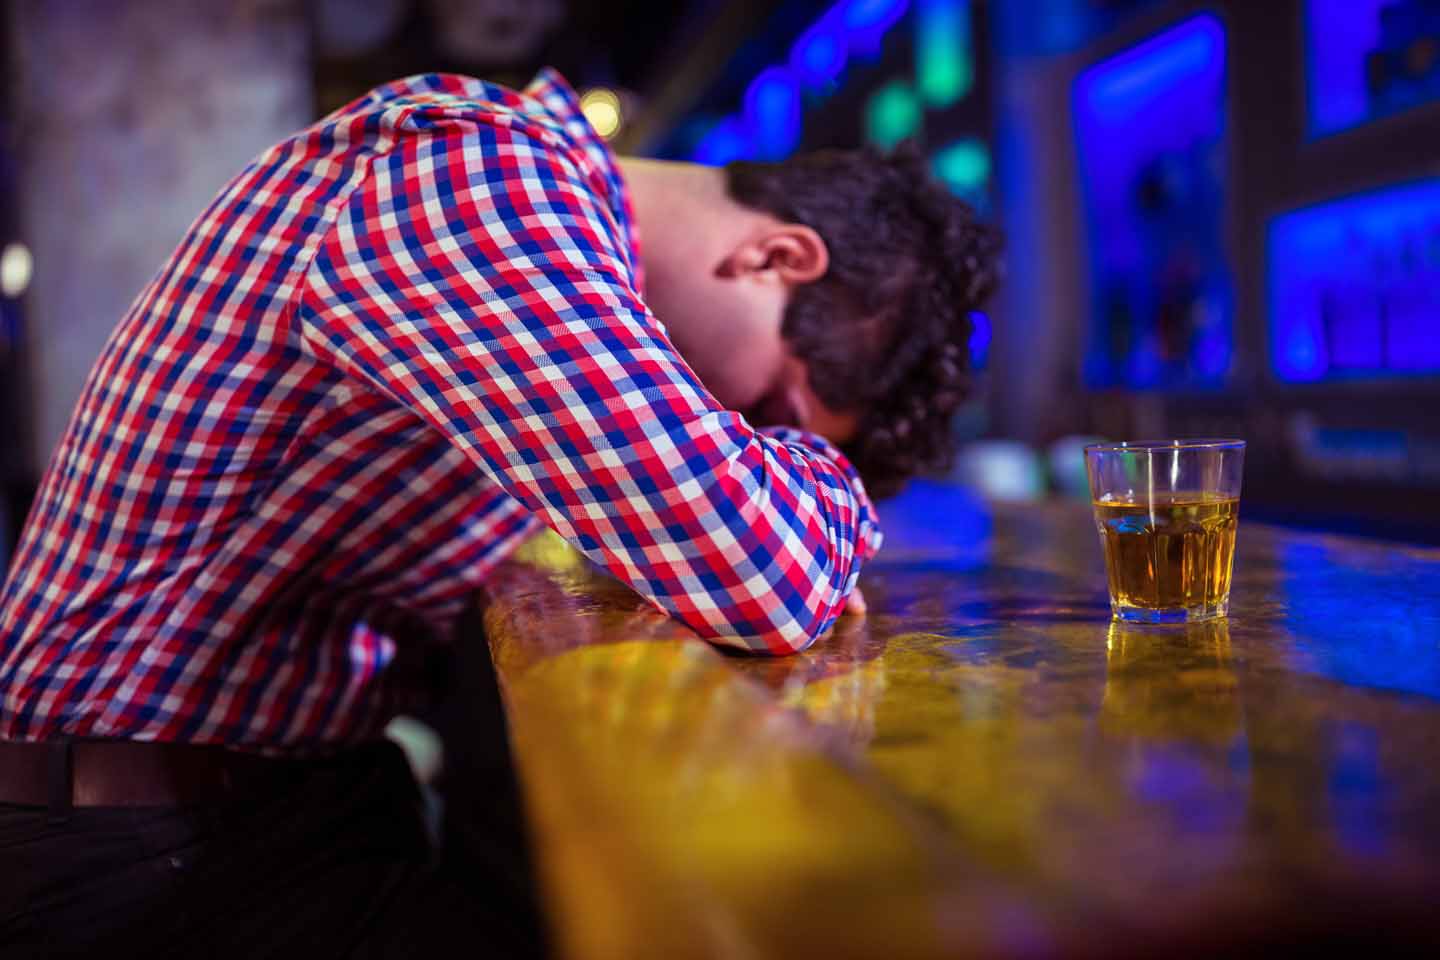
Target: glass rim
{"x": 1151, "y": 446}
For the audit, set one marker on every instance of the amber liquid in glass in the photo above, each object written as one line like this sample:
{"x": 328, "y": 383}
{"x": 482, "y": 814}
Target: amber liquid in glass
{"x": 1173, "y": 554}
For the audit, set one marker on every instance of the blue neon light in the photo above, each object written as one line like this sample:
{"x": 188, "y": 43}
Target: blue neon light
{"x": 872, "y": 15}
{"x": 819, "y": 54}
{"x": 1047, "y": 27}
{"x": 1188, "y": 54}
{"x": 866, "y": 21}
{"x": 1160, "y": 97}
{"x": 1212, "y": 354}
{"x": 979, "y": 343}
{"x": 727, "y": 140}
{"x": 1354, "y": 286}
{"x": 769, "y": 125}
{"x": 772, "y": 112}
{"x": 1368, "y": 58}
{"x": 1150, "y": 126}
{"x": 1338, "y": 34}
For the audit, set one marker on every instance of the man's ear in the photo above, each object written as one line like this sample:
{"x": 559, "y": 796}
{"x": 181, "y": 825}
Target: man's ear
{"x": 789, "y": 252}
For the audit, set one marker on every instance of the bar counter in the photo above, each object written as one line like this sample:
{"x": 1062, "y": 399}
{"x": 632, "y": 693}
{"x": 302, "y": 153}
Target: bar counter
{"x": 985, "y": 764}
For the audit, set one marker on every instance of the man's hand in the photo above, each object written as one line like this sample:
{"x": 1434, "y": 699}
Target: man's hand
{"x": 855, "y": 603}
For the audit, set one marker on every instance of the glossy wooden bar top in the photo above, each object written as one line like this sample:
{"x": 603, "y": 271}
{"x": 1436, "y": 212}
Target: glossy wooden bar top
{"x": 985, "y": 764}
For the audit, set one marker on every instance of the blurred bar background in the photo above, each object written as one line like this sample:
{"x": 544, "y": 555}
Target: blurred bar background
{"x": 1223, "y": 218}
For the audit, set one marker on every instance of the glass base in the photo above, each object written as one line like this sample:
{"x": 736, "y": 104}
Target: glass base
{"x": 1207, "y": 611}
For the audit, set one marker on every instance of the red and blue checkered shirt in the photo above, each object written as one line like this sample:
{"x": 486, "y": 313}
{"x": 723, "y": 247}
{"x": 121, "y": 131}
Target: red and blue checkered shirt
{"x": 392, "y": 345}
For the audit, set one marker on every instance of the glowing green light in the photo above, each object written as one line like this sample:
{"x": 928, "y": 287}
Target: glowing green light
{"x": 892, "y": 114}
{"x": 964, "y": 166}
{"x": 944, "y": 69}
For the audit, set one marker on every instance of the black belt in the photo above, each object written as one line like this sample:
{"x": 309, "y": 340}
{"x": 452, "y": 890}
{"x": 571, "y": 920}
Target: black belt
{"x": 122, "y": 773}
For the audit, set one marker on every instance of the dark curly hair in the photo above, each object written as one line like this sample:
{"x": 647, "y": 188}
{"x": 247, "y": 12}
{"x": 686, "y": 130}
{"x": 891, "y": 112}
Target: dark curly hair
{"x": 885, "y": 331}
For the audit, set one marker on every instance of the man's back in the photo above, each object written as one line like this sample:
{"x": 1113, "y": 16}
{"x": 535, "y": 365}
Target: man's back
{"x": 300, "y": 449}
{"x": 227, "y": 496}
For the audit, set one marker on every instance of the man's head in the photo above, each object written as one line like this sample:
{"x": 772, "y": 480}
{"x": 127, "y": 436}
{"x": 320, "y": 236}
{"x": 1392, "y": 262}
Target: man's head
{"x": 834, "y": 291}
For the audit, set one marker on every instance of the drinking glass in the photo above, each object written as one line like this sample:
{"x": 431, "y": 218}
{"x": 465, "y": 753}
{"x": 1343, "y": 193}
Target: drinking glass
{"x": 1166, "y": 511}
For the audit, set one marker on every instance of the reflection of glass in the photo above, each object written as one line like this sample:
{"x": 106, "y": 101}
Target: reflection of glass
{"x": 843, "y": 703}
{"x": 1172, "y": 685}
{"x": 1167, "y": 513}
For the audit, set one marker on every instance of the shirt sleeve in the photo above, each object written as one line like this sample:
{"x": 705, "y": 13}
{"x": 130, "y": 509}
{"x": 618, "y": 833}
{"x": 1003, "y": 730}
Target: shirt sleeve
{"x": 478, "y": 278}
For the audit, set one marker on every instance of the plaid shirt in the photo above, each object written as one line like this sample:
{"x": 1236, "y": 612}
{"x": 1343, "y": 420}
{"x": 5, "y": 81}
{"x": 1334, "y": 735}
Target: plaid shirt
{"x": 390, "y": 346}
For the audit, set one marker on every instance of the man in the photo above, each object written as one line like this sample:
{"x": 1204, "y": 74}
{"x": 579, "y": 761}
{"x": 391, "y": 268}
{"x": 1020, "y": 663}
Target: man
{"x": 392, "y": 348}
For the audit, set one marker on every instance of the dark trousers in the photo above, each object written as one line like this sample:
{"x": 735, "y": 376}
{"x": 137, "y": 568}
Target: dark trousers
{"x": 313, "y": 858}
